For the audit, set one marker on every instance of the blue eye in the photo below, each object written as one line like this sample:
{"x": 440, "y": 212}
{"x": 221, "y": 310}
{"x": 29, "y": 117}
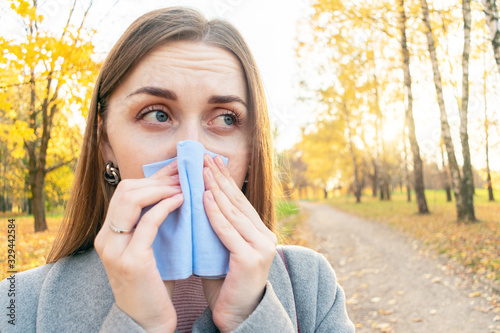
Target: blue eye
{"x": 228, "y": 120}
{"x": 154, "y": 114}
{"x": 161, "y": 116}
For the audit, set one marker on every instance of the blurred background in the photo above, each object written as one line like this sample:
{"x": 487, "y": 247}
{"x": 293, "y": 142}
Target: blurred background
{"x": 386, "y": 110}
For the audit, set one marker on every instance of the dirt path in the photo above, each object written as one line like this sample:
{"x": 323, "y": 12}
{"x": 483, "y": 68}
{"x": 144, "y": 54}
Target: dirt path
{"x": 391, "y": 285}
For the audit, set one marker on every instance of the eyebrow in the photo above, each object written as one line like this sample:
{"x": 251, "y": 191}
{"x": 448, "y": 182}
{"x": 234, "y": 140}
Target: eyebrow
{"x": 217, "y": 99}
{"x": 159, "y": 92}
{"x": 169, "y": 94}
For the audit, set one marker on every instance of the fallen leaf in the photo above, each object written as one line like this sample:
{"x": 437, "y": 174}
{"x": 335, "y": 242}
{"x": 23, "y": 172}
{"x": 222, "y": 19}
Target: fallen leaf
{"x": 375, "y": 299}
{"x": 417, "y": 320}
{"x": 385, "y": 312}
{"x": 474, "y": 294}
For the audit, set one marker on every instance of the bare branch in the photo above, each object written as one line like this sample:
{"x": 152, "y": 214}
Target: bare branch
{"x": 84, "y": 17}
{"x": 58, "y": 165}
{"x": 69, "y": 19}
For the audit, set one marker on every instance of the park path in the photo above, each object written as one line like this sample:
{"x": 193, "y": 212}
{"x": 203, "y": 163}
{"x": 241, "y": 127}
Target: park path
{"x": 391, "y": 283}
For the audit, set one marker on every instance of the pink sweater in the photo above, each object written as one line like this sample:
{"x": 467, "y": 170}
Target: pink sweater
{"x": 189, "y": 302}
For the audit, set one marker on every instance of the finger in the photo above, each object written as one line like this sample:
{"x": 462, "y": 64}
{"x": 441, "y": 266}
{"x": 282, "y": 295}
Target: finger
{"x": 127, "y": 185}
{"x": 237, "y": 198}
{"x": 127, "y": 215}
{"x": 226, "y": 232}
{"x": 168, "y": 170}
{"x": 147, "y": 228}
{"x": 240, "y": 222}
{"x": 131, "y": 203}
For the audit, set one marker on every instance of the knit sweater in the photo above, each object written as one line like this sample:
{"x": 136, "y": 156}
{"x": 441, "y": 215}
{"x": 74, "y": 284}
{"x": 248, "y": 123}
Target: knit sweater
{"x": 74, "y": 295}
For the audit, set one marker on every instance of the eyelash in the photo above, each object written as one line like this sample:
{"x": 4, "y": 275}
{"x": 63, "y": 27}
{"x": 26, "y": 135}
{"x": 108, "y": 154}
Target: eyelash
{"x": 233, "y": 113}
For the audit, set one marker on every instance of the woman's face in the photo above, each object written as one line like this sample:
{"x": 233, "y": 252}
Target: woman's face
{"x": 180, "y": 91}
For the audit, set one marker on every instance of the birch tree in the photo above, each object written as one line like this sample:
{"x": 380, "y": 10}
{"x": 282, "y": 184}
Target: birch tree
{"x": 456, "y": 178}
{"x": 491, "y": 15}
{"x": 409, "y": 121}
{"x": 467, "y": 180}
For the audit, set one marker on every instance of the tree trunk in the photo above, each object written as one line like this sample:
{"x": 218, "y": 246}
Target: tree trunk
{"x": 487, "y": 143}
{"x": 375, "y": 178}
{"x": 418, "y": 172}
{"x": 445, "y": 174}
{"x": 37, "y": 190}
{"x": 456, "y": 178}
{"x": 357, "y": 189}
{"x": 325, "y": 193}
{"x": 467, "y": 180}
{"x": 406, "y": 172}
{"x": 491, "y": 16}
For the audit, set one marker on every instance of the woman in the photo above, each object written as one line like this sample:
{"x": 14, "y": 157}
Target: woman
{"x": 175, "y": 76}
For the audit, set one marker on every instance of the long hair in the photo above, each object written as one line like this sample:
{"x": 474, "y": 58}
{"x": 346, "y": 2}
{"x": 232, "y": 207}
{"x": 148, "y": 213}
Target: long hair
{"x": 90, "y": 196}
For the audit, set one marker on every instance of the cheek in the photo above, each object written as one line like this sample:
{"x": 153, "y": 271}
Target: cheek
{"x": 132, "y": 152}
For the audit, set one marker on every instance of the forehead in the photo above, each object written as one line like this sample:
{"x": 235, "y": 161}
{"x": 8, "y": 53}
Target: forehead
{"x": 177, "y": 62}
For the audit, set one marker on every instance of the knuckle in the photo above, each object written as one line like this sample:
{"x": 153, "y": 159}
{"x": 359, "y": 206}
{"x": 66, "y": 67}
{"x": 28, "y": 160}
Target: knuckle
{"x": 258, "y": 261}
{"x": 98, "y": 242}
{"x": 274, "y": 240}
{"x": 236, "y": 212}
{"x": 127, "y": 198}
{"x": 124, "y": 185}
{"x": 240, "y": 198}
{"x": 106, "y": 256}
{"x": 127, "y": 266}
{"x": 225, "y": 228}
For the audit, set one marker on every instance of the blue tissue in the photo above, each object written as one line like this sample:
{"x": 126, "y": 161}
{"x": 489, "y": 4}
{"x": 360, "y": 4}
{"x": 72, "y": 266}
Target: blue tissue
{"x": 186, "y": 243}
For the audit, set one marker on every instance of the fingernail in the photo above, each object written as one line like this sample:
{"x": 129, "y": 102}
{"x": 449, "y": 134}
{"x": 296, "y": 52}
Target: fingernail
{"x": 219, "y": 161}
{"x": 177, "y": 187}
{"x": 210, "y": 195}
{"x": 176, "y": 177}
{"x": 210, "y": 159}
{"x": 178, "y": 195}
{"x": 209, "y": 173}
{"x": 173, "y": 164}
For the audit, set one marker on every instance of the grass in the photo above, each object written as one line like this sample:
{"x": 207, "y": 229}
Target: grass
{"x": 474, "y": 245}
{"x": 290, "y": 229}
{"x": 31, "y": 248}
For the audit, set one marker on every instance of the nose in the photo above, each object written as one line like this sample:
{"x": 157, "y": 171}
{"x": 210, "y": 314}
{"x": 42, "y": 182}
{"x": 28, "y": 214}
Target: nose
{"x": 190, "y": 129}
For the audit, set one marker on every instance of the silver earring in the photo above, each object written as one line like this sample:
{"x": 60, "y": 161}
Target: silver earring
{"x": 246, "y": 177}
{"x": 111, "y": 174}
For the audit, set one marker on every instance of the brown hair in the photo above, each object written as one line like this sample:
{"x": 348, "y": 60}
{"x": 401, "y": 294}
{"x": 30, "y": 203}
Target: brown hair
{"x": 90, "y": 194}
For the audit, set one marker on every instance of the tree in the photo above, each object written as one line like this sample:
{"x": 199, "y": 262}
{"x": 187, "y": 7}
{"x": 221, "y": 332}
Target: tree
{"x": 456, "y": 178}
{"x": 445, "y": 174}
{"x": 410, "y": 122}
{"x": 54, "y": 76}
{"x": 467, "y": 178}
{"x": 322, "y": 152}
{"x": 491, "y": 15}
{"x": 487, "y": 124}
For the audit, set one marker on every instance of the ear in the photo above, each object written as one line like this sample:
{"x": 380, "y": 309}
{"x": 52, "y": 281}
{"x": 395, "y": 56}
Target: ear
{"x": 104, "y": 144}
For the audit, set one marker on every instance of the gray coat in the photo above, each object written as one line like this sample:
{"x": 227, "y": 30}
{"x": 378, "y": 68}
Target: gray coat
{"x": 74, "y": 295}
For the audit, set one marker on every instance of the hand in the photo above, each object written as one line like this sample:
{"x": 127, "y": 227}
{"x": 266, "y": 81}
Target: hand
{"x": 128, "y": 258}
{"x": 251, "y": 244}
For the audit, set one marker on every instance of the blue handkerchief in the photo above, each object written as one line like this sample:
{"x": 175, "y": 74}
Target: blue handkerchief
{"x": 186, "y": 243}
